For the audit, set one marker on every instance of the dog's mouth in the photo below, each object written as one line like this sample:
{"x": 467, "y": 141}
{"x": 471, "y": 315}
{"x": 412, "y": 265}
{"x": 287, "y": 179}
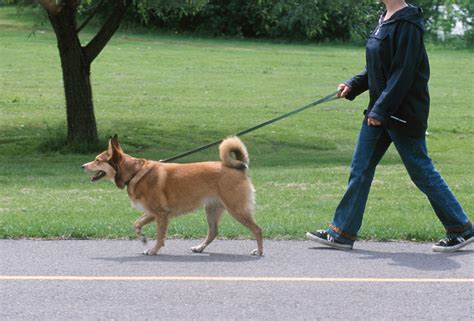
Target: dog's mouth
{"x": 98, "y": 175}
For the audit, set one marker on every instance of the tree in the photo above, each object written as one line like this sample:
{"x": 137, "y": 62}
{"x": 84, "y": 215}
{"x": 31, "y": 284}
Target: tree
{"x": 76, "y": 62}
{"x": 319, "y": 20}
{"x": 76, "y": 59}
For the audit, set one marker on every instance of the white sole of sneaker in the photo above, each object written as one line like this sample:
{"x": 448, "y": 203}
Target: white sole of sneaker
{"x": 327, "y": 243}
{"x": 451, "y": 249}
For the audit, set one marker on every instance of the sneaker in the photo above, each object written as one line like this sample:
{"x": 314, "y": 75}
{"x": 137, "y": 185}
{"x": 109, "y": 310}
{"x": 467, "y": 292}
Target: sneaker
{"x": 323, "y": 237}
{"x": 452, "y": 244}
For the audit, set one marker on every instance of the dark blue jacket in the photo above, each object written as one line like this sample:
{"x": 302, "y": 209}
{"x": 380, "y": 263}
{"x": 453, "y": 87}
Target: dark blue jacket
{"x": 396, "y": 74}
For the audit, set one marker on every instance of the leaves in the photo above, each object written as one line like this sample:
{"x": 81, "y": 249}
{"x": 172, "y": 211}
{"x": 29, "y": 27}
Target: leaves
{"x": 298, "y": 19}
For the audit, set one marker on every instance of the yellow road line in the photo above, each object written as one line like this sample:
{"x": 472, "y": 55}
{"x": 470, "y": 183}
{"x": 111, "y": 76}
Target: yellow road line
{"x": 227, "y": 279}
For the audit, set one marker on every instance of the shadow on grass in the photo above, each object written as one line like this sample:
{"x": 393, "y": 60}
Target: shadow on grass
{"x": 42, "y": 139}
{"x": 142, "y": 139}
{"x": 191, "y": 258}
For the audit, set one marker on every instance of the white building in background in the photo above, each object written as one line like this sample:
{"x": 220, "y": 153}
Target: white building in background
{"x": 459, "y": 28}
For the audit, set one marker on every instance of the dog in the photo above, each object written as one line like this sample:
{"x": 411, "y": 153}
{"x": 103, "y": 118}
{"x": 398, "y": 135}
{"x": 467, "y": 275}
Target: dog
{"x": 166, "y": 190}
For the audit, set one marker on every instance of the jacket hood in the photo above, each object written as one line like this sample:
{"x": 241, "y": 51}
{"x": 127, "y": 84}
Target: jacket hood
{"x": 411, "y": 14}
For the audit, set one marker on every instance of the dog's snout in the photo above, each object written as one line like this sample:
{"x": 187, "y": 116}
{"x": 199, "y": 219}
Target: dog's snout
{"x": 83, "y": 166}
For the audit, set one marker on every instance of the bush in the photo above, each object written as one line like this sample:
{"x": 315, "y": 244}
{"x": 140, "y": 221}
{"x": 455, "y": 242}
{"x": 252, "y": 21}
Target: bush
{"x": 299, "y": 19}
{"x": 315, "y": 20}
{"x": 309, "y": 19}
{"x": 242, "y": 18}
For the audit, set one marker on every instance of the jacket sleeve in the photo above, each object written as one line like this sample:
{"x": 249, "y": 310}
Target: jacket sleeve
{"x": 358, "y": 84}
{"x": 402, "y": 72}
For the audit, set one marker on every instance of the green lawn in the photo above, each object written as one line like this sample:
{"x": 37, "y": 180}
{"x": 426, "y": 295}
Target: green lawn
{"x": 164, "y": 94}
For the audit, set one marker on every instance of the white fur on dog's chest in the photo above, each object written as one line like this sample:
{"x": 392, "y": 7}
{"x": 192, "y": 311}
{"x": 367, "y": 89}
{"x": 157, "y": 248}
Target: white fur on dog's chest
{"x": 139, "y": 206}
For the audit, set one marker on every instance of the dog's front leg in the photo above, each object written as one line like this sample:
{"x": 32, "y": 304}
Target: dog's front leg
{"x": 140, "y": 222}
{"x": 161, "y": 228}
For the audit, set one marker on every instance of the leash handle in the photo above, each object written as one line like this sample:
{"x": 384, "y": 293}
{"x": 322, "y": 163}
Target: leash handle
{"x": 330, "y": 97}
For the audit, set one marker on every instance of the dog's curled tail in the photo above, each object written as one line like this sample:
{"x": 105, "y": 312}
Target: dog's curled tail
{"x": 233, "y": 145}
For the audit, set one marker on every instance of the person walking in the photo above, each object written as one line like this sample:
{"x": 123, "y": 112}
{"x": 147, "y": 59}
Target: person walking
{"x": 396, "y": 75}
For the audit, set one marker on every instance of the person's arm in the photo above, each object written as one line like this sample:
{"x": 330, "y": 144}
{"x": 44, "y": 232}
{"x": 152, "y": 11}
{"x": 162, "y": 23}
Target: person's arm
{"x": 357, "y": 84}
{"x": 402, "y": 72}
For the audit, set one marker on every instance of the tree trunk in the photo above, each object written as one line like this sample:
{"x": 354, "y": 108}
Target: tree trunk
{"x": 76, "y": 63}
{"x": 81, "y": 124}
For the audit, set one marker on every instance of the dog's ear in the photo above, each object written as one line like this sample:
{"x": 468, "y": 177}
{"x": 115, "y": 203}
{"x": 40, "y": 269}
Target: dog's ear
{"x": 115, "y": 143}
{"x": 115, "y": 156}
{"x": 115, "y": 152}
{"x": 109, "y": 148}
{"x": 115, "y": 160}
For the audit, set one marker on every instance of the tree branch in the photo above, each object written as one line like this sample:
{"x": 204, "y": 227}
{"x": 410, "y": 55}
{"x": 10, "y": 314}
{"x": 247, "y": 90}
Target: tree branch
{"x": 95, "y": 46}
{"x": 89, "y": 18}
{"x": 50, "y": 6}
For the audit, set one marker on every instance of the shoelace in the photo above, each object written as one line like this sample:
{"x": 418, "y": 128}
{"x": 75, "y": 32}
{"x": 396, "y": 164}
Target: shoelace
{"x": 446, "y": 240}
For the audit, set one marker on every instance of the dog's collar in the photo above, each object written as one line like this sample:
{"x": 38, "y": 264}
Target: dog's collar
{"x": 135, "y": 174}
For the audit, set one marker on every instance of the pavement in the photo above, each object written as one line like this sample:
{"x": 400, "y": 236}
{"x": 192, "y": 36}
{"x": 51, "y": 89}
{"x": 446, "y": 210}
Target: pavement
{"x": 296, "y": 280}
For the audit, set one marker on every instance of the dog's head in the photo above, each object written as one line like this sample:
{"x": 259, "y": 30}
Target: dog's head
{"x": 107, "y": 164}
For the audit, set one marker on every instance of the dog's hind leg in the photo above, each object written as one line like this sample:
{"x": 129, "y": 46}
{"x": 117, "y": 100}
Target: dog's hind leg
{"x": 161, "y": 227}
{"x": 214, "y": 212}
{"x": 139, "y": 223}
{"x": 239, "y": 202}
{"x": 246, "y": 219}
{"x": 241, "y": 210}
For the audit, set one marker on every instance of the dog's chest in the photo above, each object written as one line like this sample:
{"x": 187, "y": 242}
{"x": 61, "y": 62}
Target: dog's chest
{"x": 135, "y": 201}
{"x": 138, "y": 205}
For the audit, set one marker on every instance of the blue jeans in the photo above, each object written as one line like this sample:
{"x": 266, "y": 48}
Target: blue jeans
{"x": 372, "y": 144}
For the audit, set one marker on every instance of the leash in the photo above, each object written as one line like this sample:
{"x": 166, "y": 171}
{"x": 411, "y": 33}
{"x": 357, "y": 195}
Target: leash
{"x": 328, "y": 98}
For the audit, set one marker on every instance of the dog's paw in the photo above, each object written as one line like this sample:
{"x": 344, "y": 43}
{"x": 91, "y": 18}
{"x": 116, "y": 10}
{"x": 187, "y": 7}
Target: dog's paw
{"x": 256, "y": 252}
{"x": 150, "y": 252}
{"x": 197, "y": 249}
{"x": 143, "y": 239}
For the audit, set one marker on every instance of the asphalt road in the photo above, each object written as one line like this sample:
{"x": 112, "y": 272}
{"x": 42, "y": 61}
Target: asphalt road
{"x": 111, "y": 280}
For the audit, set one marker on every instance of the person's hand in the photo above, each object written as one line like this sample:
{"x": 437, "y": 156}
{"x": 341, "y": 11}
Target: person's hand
{"x": 343, "y": 90}
{"x": 373, "y": 122}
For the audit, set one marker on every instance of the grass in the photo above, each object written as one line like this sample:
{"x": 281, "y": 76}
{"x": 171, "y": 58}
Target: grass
{"x": 165, "y": 94}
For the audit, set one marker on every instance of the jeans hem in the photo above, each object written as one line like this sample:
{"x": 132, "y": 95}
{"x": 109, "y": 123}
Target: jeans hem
{"x": 338, "y": 236}
{"x": 460, "y": 230}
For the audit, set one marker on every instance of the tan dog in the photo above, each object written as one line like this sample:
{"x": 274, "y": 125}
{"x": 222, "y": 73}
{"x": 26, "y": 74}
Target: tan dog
{"x": 162, "y": 191}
